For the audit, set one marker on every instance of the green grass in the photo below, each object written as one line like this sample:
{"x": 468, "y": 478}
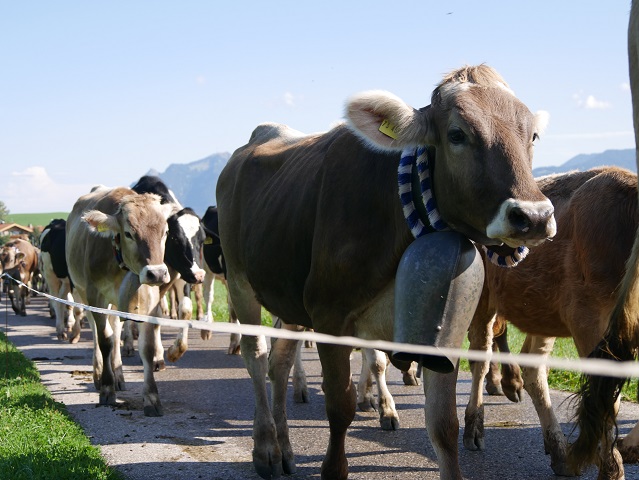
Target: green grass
{"x": 558, "y": 379}
{"x": 38, "y": 440}
{"x": 35, "y": 219}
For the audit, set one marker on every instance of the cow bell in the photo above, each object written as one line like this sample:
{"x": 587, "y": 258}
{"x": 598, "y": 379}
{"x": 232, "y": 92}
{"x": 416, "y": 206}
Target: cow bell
{"x": 437, "y": 288}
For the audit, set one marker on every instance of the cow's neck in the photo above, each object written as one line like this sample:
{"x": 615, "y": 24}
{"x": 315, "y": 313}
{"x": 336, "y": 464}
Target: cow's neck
{"x": 117, "y": 252}
{"x": 420, "y": 207}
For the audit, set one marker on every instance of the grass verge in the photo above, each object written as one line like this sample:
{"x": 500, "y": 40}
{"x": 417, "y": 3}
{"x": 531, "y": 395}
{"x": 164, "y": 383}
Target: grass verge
{"x": 38, "y": 439}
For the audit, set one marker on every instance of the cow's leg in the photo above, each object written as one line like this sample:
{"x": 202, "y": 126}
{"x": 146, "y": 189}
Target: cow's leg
{"x": 57, "y": 288}
{"x": 116, "y": 358}
{"x": 512, "y": 384}
{"x": 480, "y": 335}
{"x": 208, "y": 287}
{"x": 365, "y": 399}
{"x": 127, "y": 339}
{"x": 146, "y": 345}
{"x": 267, "y": 456}
{"x": 185, "y": 312}
{"x": 629, "y": 446}
{"x": 300, "y": 387}
{"x": 536, "y": 384}
{"x": 199, "y": 298}
{"x": 235, "y": 343}
{"x": 441, "y": 420}
{"x": 340, "y": 406}
{"x": 377, "y": 362}
{"x": 103, "y": 375}
{"x": 281, "y": 360}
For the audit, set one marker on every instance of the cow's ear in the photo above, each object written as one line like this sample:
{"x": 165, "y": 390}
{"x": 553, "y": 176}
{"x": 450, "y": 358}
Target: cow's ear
{"x": 101, "y": 223}
{"x": 20, "y": 256}
{"x": 386, "y": 122}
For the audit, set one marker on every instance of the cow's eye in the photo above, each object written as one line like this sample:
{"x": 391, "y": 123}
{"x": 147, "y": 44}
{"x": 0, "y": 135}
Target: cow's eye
{"x": 128, "y": 235}
{"x": 456, "y": 136}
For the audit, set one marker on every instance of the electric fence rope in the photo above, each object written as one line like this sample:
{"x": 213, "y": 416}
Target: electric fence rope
{"x": 609, "y": 368}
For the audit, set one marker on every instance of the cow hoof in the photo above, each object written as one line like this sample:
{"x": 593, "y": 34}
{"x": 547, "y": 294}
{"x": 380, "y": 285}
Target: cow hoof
{"x": 630, "y": 453}
{"x": 206, "y": 334}
{"x": 288, "y": 465}
{"x": 389, "y": 423}
{"x": 410, "y": 378}
{"x": 494, "y": 390}
{"x": 367, "y": 405}
{"x": 74, "y": 339}
{"x": 176, "y": 351}
{"x": 234, "y": 350}
{"x": 267, "y": 470}
{"x": 128, "y": 351}
{"x": 107, "y": 398}
{"x": 473, "y": 442}
{"x": 513, "y": 393}
{"x": 153, "y": 411}
{"x": 62, "y": 336}
{"x": 301, "y": 396}
{"x": 159, "y": 365}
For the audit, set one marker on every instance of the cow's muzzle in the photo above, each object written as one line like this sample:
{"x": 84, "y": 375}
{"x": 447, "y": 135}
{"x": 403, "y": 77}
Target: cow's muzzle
{"x": 523, "y": 223}
{"x": 155, "y": 275}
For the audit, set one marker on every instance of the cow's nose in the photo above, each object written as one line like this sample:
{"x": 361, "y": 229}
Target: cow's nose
{"x": 155, "y": 275}
{"x": 533, "y": 222}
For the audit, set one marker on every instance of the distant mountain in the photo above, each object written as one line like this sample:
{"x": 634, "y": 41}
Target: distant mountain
{"x": 194, "y": 183}
{"x": 620, "y": 158}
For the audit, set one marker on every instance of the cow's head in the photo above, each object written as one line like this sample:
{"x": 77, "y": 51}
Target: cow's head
{"x": 8, "y": 256}
{"x": 139, "y": 229}
{"x": 213, "y": 246}
{"x": 184, "y": 245}
{"x": 482, "y": 141}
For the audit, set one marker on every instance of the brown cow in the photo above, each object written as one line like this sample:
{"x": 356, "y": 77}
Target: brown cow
{"x": 312, "y": 228}
{"x": 566, "y": 288}
{"x": 19, "y": 260}
{"x": 599, "y": 395}
{"x": 115, "y": 255}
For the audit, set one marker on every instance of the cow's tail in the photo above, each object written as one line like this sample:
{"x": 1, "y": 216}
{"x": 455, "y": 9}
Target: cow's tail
{"x": 595, "y": 416}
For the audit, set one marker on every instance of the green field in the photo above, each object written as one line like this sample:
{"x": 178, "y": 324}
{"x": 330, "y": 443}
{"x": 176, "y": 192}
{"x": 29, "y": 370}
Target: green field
{"x": 35, "y": 219}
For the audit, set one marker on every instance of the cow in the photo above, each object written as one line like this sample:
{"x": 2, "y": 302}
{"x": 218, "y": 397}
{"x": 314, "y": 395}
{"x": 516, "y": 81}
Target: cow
{"x": 56, "y": 274}
{"x": 115, "y": 240}
{"x": 312, "y": 229}
{"x": 599, "y": 396}
{"x": 20, "y": 261}
{"x": 183, "y": 256}
{"x": 588, "y": 268}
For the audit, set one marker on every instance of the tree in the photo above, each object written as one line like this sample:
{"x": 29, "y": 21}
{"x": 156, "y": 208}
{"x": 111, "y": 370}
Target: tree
{"x": 4, "y": 211}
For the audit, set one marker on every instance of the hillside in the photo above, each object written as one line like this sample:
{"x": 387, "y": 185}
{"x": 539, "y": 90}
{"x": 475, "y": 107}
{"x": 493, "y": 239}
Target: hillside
{"x": 620, "y": 158}
{"x": 194, "y": 183}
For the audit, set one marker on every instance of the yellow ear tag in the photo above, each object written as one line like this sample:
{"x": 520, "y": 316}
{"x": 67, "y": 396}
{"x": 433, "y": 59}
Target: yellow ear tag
{"x": 388, "y": 129}
{"x": 208, "y": 241}
{"x": 101, "y": 228}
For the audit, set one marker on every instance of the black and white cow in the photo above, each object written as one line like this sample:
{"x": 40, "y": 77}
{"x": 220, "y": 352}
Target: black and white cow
{"x": 183, "y": 253}
{"x": 56, "y": 274}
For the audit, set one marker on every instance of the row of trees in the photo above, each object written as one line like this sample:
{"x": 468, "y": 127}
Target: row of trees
{"x": 4, "y": 212}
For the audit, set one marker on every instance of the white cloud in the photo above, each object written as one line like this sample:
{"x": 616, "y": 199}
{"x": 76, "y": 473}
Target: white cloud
{"x": 590, "y": 102}
{"x": 33, "y": 191}
{"x": 289, "y": 99}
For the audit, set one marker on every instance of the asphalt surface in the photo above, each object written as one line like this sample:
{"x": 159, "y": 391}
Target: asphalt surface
{"x": 206, "y": 430}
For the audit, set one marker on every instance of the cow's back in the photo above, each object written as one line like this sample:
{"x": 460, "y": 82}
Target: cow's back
{"x": 326, "y": 210}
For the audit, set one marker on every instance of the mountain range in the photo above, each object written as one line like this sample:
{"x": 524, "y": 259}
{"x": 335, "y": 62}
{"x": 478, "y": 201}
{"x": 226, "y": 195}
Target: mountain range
{"x": 194, "y": 183}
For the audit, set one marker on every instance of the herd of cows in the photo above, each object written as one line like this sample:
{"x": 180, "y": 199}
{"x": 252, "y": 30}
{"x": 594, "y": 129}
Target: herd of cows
{"x": 312, "y": 229}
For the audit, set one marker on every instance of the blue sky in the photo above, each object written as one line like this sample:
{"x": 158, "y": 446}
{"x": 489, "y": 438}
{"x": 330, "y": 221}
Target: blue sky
{"x": 100, "y": 92}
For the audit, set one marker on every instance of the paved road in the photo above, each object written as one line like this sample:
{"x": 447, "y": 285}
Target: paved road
{"x": 206, "y": 430}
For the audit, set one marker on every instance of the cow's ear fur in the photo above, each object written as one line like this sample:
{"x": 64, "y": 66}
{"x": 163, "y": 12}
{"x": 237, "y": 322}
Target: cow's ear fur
{"x": 20, "y": 256}
{"x": 367, "y": 111}
{"x": 101, "y": 223}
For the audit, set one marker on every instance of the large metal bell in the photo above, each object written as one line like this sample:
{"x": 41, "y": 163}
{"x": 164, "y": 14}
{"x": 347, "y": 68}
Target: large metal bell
{"x": 437, "y": 288}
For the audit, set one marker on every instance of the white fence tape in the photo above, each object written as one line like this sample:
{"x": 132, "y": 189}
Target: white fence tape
{"x": 590, "y": 366}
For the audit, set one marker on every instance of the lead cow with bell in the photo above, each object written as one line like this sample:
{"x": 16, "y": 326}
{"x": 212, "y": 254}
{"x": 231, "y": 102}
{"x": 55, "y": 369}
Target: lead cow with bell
{"x": 312, "y": 228}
